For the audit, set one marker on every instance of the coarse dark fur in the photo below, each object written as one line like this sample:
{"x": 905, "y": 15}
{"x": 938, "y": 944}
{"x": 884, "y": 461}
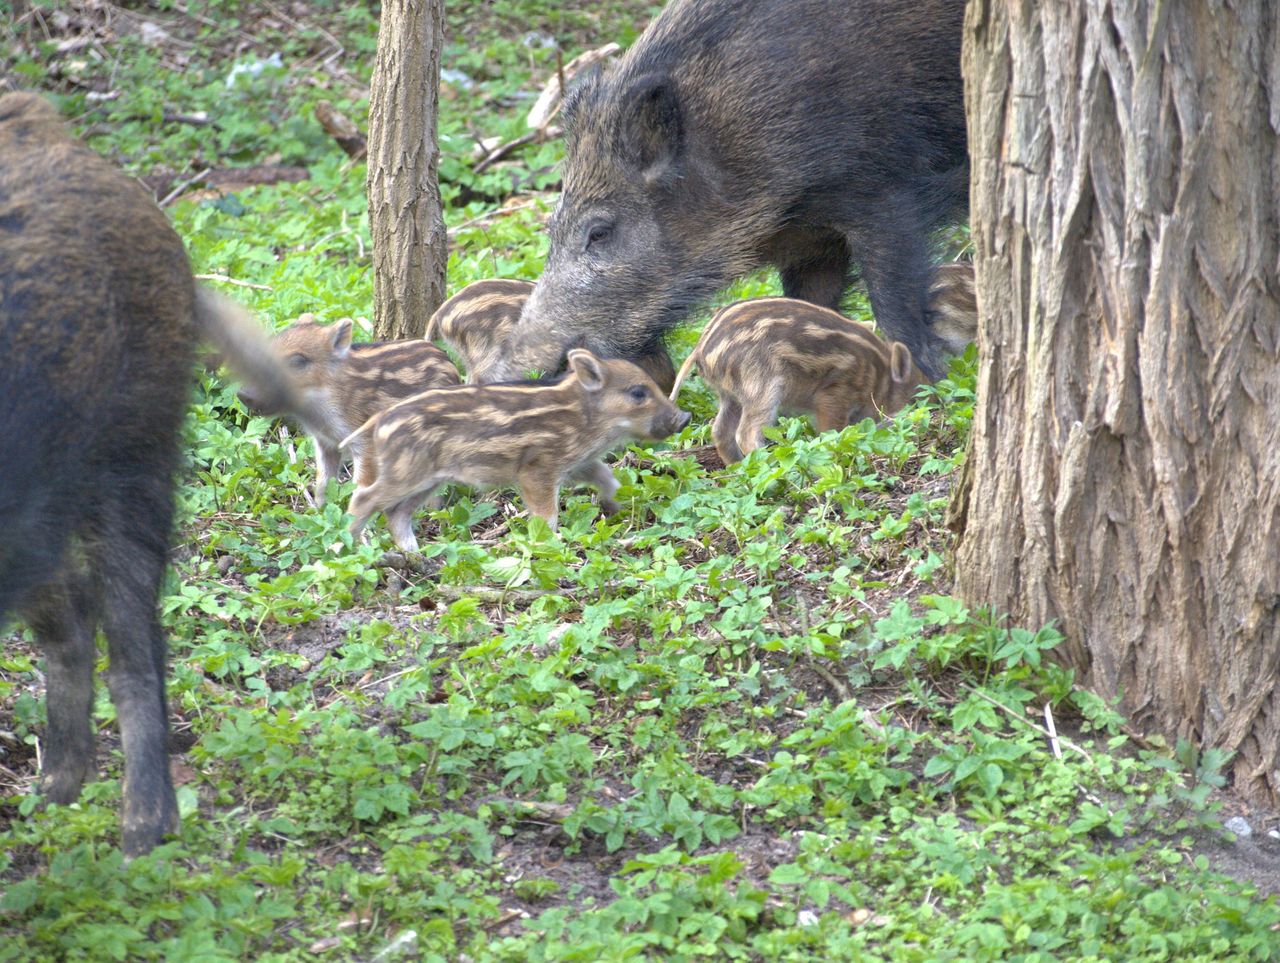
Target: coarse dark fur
{"x": 808, "y": 134}
{"x": 99, "y": 317}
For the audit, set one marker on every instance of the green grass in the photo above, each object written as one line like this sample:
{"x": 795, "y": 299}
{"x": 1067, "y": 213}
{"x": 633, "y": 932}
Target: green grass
{"x": 744, "y": 719}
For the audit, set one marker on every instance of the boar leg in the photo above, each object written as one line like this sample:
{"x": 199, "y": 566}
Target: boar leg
{"x": 724, "y": 428}
{"x": 895, "y": 264}
{"x": 831, "y": 412}
{"x": 400, "y": 518}
{"x": 817, "y": 270}
{"x": 130, "y": 562}
{"x": 540, "y": 490}
{"x": 328, "y": 465}
{"x": 365, "y": 503}
{"x": 63, "y": 619}
{"x": 757, "y": 414}
{"x": 600, "y": 475}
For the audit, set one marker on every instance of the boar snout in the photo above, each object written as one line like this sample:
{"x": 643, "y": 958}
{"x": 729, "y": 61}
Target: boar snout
{"x": 671, "y": 422}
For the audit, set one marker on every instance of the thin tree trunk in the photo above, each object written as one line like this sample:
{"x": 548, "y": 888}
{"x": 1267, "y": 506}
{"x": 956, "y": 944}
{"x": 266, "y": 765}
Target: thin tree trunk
{"x": 1124, "y": 470}
{"x": 410, "y": 249}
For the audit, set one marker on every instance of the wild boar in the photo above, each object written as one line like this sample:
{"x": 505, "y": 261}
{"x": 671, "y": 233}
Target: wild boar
{"x": 953, "y": 306}
{"x": 347, "y": 384}
{"x": 479, "y": 320}
{"x": 533, "y": 435}
{"x": 812, "y": 135}
{"x": 99, "y": 318}
{"x": 778, "y": 355}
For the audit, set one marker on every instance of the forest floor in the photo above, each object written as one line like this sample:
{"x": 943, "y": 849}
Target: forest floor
{"x": 743, "y": 719}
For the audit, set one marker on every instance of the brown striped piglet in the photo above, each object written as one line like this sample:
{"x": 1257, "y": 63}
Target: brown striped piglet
{"x": 953, "y": 307}
{"x": 534, "y": 435}
{"x": 478, "y": 320}
{"x": 347, "y": 384}
{"x": 772, "y": 356}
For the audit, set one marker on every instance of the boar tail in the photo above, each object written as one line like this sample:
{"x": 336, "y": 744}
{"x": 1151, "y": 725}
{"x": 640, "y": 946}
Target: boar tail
{"x": 242, "y": 345}
{"x": 683, "y": 373}
{"x": 346, "y": 442}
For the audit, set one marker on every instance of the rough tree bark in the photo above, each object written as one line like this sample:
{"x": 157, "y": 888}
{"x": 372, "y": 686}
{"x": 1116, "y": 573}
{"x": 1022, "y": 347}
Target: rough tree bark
{"x": 1124, "y": 470}
{"x": 410, "y": 246}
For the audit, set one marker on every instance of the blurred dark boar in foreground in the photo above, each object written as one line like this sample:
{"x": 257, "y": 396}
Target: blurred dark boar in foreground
{"x": 346, "y": 384}
{"x": 777, "y": 355}
{"x": 479, "y": 320}
{"x": 99, "y": 318}
{"x": 812, "y": 135}
{"x": 535, "y": 435}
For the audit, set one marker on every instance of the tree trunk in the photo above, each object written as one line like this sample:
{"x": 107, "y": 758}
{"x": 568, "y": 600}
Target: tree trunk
{"x": 410, "y": 246}
{"x": 1124, "y": 470}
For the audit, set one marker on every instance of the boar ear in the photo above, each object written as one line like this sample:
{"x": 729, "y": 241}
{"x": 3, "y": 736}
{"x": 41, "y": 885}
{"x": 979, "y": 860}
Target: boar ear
{"x": 588, "y": 369}
{"x": 342, "y": 337}
{"x": 582, "y": 89}
{"x": 900, "y": 362}
{"x": 652, "y": 131}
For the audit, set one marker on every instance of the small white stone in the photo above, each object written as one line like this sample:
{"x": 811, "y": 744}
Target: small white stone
{"x": 806, "y": 918}
{"x": 1240, "y": 826}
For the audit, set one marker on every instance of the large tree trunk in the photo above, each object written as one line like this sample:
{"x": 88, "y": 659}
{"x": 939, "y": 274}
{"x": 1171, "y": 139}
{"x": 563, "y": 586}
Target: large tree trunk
{"x": 1124, "y": 470}
{"x": 410, "y": 246}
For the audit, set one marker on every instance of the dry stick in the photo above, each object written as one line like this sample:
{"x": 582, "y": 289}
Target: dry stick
{"x": 342, "y": 129}
{"x": 287, "y": 441}
{"x": 183, "y": 185}
{"x": 489, "y": 216}
{"x": 1053, "y": 732}
{"x": 840, "y": 688}
{"x": 486, "y": 593}
{"x": 509, "y": 917}
{"x": 240, "y": 284}
{"x": 1092, "y": 797}
{"x": 1027, "y": 722}
{"x": 498, "y": 153}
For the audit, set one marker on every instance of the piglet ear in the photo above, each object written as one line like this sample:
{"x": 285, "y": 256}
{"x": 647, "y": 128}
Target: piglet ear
{"x": 651, "y": 131}
{"x": 342, "y": 337}
{"x": 900, "y": 363}
{"x": 588, "y": 369}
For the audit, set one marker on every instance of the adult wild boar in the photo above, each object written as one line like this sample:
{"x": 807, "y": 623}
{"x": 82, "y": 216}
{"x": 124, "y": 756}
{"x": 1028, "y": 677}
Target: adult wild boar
{"x": 813, "y": 135}
{"x": 99, "y": 318}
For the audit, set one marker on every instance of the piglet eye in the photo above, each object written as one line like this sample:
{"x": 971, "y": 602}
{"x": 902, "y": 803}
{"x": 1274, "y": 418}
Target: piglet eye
{"x": 599, "y": 233}
{"x": 298, "y": 361}
{"x": 638, "y": 393}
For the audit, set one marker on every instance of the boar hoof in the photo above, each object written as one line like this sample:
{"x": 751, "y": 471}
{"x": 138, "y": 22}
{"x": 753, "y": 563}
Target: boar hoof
{"x": 63, "y": 787}
{"x": 144, "y": 831}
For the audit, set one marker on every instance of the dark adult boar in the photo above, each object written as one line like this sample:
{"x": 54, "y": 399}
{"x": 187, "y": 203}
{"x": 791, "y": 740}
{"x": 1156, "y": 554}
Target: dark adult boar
{"x": 808, "y": 134}
{"x": 99, "y": 317}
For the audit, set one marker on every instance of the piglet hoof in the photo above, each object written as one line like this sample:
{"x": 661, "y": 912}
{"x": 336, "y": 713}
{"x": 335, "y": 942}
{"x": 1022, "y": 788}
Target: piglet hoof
{"x": 401, "y": 562}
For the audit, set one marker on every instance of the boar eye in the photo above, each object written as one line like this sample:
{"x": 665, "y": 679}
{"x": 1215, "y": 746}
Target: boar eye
{"x": 638, "y": 393}
{"x": 598, "y": 233}
{"x": 298, "y": 361}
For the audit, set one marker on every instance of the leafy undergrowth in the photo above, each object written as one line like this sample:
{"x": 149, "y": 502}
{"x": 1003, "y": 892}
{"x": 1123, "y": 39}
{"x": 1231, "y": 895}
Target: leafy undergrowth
{"x": 743, "y": 719}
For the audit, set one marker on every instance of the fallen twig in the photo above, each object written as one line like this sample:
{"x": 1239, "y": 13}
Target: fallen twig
{"x": 1013, "y": 714}
{"x": 1053, "y": 732}
{"x": 183, "y": 185}
{"x": 240, "y": 284}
